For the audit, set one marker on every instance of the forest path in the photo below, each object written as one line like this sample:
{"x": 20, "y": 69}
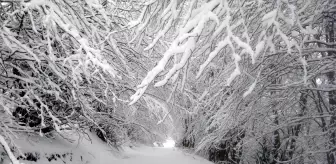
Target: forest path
{"x": 92, "y": 150}
{"x": 156, "y": 155}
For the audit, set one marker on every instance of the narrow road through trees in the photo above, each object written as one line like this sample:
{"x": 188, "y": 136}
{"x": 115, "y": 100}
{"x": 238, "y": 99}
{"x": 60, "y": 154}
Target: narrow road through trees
{"x": 151, "y": 155}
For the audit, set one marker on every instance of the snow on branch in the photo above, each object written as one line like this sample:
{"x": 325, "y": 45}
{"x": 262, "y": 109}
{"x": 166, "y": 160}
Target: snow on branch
{"x": 193, "y": 28}
{"x": 136, "y": 22}
{"x": 173, "y": 15}
{"x": 212, "y": 55}
{"x": 191, "y": 43}
{"x": 8, "y": 150}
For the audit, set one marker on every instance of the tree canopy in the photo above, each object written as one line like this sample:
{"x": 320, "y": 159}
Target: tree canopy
{"x": 236, "y": 80}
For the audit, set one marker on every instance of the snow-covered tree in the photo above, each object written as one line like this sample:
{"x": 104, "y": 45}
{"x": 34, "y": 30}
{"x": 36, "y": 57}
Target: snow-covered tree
{"x": 239, "y": 80}
{"x": 69, "y": 65}
{"x": 259, "y": 74}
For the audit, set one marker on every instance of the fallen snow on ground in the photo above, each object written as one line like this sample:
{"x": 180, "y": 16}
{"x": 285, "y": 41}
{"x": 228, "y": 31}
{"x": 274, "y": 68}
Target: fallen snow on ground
{"x": 83, "y": 150}
{"x": 158, "y": 155}
{"x": 76, "y": 149}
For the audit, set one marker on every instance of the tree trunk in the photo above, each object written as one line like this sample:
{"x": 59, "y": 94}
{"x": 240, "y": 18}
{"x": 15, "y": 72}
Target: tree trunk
{"x": 295, "y": 130}
{"x": 276, "y": 133}
{"x": 330, "y": 37}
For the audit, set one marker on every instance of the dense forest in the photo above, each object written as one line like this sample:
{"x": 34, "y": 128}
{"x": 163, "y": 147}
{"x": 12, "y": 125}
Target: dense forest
{"x": 235, "y": 81}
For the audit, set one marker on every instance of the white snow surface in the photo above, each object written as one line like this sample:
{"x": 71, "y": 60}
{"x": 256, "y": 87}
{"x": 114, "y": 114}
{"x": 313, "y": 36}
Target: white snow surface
{"x": 83, "y": 151}
{"x": 158, "y": 155}
{"x": 79, "y": 151}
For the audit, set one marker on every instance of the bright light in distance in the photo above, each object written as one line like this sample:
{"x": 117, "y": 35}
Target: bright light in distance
{"x": 318, "y": 81}
{"x": 170, "y": 143}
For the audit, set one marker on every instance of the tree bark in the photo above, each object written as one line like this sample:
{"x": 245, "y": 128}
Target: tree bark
{"x": 330, "y": 37}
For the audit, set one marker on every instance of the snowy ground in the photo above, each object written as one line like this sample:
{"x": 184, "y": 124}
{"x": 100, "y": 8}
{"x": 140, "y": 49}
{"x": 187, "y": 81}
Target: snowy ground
{"x": 83, "y": 151}
{"x": 151, "y": 155}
